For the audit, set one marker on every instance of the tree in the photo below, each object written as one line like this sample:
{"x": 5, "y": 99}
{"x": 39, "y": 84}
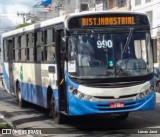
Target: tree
{"x": 23, "y": 25}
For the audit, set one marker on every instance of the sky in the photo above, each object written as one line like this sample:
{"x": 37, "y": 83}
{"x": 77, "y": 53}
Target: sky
{"x": 9, "y": 9}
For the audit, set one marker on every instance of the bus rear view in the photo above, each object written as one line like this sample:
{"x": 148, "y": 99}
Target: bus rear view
{"x": 110, "y": 64}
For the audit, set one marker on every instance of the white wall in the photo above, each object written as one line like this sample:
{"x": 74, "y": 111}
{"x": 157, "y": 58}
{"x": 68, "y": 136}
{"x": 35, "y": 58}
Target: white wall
{"x": 153, "y": 6}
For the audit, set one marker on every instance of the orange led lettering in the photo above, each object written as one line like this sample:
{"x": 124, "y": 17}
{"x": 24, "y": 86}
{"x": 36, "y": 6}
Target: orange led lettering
{"x": 84, "y": 22}
{"x": 90, "y": 22}
{"x": 95, "y": 19}
{"x": 119, "y": 20}
{"x": 101, "y": 21}
{"x": 115, "y": 21}
{"x": 106, "y": 21}
{"x": 111, "y": 21}
{"x": 123, "y": 21}
{"x": 133, "y": 21}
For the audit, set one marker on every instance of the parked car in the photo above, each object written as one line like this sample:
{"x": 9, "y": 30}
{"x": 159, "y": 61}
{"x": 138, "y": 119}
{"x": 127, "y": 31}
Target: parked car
{"x": 157, "y": 78}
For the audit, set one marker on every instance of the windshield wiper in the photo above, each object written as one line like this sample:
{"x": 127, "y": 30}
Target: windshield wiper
{"x": 128, "y": 40}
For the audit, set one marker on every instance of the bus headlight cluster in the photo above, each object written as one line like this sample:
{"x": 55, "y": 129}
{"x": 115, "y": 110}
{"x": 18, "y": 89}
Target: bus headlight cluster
{"x": 145, "y": 91}
{"x": 80, "y": 95}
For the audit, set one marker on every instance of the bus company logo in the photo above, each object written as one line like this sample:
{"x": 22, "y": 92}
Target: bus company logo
{"x": 6, "y": 131}
{"x": 116, "y": 96}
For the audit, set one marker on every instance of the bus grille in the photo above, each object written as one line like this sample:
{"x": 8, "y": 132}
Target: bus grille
{"x": 112, "y": 97}
{"x": 130, "y": 105}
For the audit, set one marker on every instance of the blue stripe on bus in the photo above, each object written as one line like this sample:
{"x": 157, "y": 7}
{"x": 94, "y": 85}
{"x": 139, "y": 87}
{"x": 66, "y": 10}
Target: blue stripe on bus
{"x": 6, "y": 77}
{"x": 70, "y": 82}
{"x": 37, "y": 94}
{"x": 81, "y": 107}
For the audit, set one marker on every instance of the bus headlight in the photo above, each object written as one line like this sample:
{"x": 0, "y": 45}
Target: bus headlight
{"x": 80, "y": 95}
{"x": 145, "y": 91}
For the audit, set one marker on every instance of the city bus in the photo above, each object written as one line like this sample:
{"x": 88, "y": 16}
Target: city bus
{"x": 86, "y": 63}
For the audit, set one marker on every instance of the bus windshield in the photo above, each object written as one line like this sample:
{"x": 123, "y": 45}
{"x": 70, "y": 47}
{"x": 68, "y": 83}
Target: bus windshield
{"x": 102, "y": 55}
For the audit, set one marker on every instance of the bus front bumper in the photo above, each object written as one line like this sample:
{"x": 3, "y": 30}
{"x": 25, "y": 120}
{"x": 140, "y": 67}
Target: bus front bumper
{"x": 82, "y": 107}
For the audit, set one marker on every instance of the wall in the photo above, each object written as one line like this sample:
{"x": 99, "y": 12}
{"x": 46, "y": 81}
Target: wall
{"x": 153, "y": 6}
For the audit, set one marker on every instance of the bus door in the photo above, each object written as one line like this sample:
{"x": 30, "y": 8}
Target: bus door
{"x": 10, "y": 43}
{"x": 60, "y": 71}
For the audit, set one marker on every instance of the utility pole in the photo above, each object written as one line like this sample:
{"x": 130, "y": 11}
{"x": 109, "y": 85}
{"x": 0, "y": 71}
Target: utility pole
{"x": 23, "y": 15}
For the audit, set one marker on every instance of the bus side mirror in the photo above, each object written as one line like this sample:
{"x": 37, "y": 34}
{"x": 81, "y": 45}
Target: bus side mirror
{"x": 154, "y": 49}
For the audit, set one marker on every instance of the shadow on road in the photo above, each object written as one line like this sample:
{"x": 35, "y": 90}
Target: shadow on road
{"x": 87, "y": 124}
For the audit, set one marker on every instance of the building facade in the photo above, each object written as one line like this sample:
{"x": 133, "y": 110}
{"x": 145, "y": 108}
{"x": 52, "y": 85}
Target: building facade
{"x": 152, "y": 8}
{"x": 61, "y": 7}
{"x": 122, "y": 5}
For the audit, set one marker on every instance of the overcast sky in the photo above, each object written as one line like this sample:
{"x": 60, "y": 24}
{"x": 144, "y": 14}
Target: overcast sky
{"x": 9, "y": 9}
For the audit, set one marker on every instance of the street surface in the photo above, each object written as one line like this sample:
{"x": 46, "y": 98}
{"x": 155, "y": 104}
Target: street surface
{"x": 35, "y": 117}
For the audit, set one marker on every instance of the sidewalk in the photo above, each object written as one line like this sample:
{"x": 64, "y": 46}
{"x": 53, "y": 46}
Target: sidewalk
{"x": 4, "y": 122}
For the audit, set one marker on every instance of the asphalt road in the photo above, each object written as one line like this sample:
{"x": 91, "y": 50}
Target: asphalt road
{"x": 36, "y": 117}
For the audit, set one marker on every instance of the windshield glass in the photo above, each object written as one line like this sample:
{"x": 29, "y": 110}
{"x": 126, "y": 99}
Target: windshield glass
{"x": 110, "y": 55}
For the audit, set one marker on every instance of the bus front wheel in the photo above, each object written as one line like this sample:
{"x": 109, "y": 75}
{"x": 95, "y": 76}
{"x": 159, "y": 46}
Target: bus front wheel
{"x": 57, "y": 116}
{"x": 21, "y": 102}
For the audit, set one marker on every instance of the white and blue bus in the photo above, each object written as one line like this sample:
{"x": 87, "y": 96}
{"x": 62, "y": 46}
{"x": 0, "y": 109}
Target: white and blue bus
{"x": 82, "y": 64}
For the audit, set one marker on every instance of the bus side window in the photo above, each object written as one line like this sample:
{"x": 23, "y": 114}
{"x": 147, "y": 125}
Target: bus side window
{"x": 16, "y": 48}
{"x": 23, "y": 50}
{"x": 30, "y": 47}
{"x": 49, "y": 47}
{"x": 5, "y": 50}
{"x": 39, "y": 44}
{"x": 19, "y": 48}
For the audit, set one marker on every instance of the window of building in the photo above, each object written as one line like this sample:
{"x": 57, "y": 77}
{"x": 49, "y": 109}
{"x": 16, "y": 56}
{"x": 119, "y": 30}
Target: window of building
{"x": 84, "y": 7}
{"x": 137, "y": 2}
{"x": 107, "y": 4}
{"x": 148, "y": 1}
{"x": 121, "y": 3}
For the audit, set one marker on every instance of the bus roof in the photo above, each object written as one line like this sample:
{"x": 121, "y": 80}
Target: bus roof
{"x": 63, "y": 19}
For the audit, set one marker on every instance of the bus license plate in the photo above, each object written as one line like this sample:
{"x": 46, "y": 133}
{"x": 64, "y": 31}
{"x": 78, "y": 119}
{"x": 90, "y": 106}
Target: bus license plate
{"x": 117, "y": 105}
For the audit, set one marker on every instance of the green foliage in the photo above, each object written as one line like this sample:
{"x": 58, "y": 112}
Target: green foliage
{"x": 23, "y": 25}
{"x": 4, "y": 126}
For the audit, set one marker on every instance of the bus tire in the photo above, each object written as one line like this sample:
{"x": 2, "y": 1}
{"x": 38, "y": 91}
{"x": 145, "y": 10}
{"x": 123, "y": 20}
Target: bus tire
{"x": 57, "y": 116}
{"x": 122, "y": 116}
{"x": 21, "y": 102}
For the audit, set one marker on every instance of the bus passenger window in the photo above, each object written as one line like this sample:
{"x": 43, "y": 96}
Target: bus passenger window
{"x": 49, "y": 47}
{"x": 51, "y": 53}
{"x": 31, "y": 54}
{"x": 19, "y": 46}
{"x": 5, "y": 51}
{"x": 23, "y": 43}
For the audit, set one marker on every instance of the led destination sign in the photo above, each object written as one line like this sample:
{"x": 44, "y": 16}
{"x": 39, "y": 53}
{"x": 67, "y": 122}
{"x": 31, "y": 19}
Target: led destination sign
{"x": 101, "y": 21}
{"x": 108, "y": 20}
